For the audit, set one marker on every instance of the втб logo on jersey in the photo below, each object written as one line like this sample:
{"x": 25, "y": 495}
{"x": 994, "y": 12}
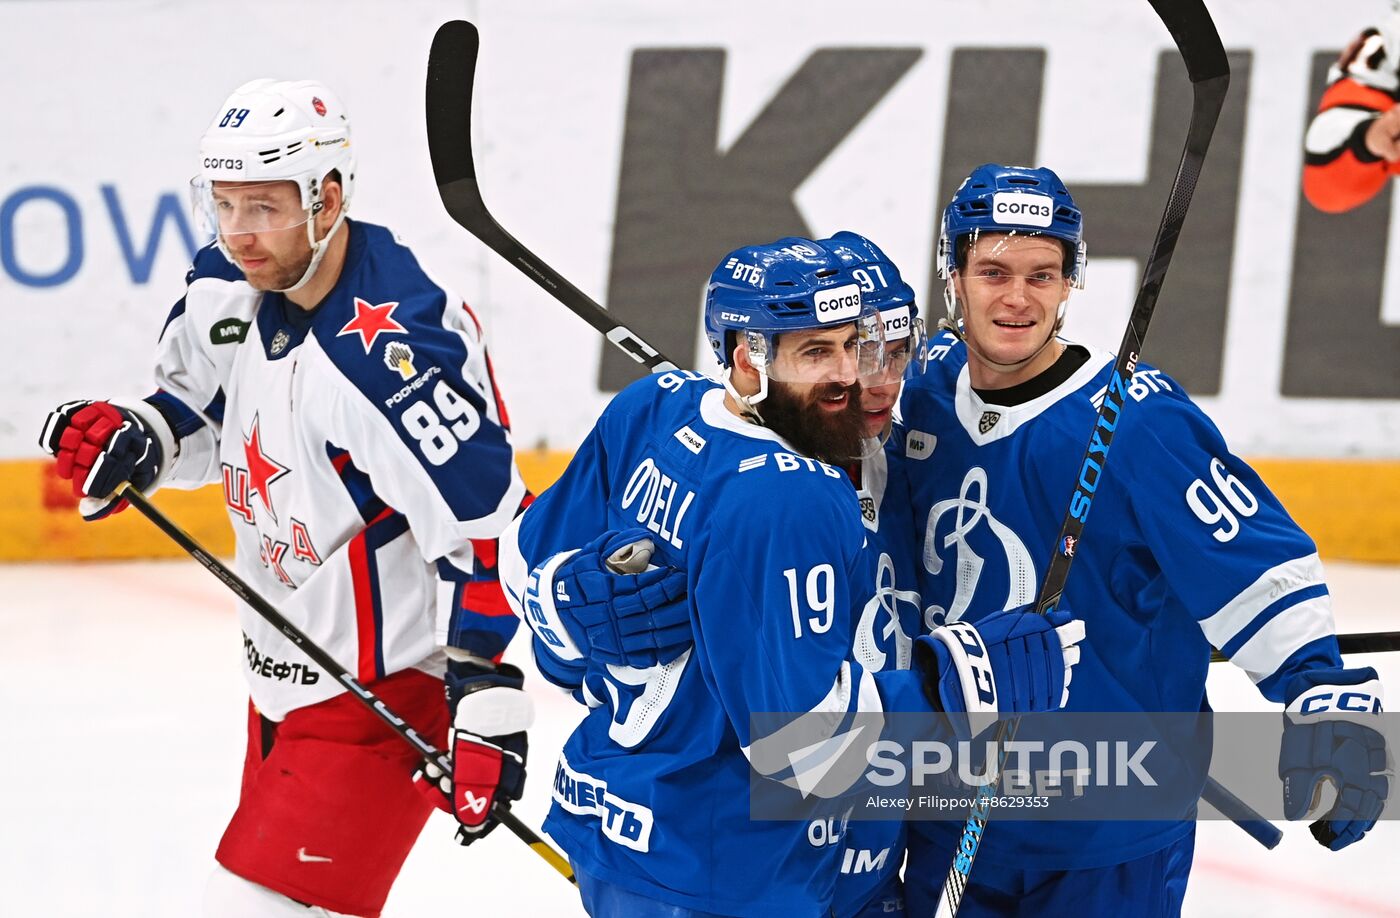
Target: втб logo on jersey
{"x": 971, "y": 508}
{"x": 371, "y": 321}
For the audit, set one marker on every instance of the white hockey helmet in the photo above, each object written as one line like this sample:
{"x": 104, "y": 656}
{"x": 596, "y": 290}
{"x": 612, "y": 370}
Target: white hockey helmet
{"x": 275, "y": 131}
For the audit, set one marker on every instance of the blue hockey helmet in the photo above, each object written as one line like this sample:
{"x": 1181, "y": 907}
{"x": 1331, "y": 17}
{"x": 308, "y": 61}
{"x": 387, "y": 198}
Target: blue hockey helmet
{"x": 759, "y": 292}
{"x": 1013, "y": 199}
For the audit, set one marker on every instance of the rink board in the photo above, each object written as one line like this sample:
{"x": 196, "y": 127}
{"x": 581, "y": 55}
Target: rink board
{"x": 1350, "y": 507}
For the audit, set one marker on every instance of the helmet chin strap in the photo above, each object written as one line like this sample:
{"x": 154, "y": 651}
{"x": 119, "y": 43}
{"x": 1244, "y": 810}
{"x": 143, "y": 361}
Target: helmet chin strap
{"x": 953, "y": 322}
{"x": 748, "y": 404}
{"x": 318, "y": 249}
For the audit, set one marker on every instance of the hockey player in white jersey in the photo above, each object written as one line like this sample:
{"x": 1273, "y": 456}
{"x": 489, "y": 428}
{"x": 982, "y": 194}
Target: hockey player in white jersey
{"x": 346, "y": 402}
{"x": 736, "y": 487}
{"x": 1185, "y": 549}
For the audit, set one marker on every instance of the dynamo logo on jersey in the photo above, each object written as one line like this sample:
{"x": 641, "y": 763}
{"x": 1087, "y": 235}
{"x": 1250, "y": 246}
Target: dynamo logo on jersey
{"x": 1021, "y": 209}
{"x": 968, "y": 514}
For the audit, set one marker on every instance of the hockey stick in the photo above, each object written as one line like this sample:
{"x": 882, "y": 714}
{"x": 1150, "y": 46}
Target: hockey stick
{"x": 451, "y": 75}
{"x": 1196, "y": 39}
{"x": 366, "y": 697}
{"x": 1365, "y": 642}
{"x": 451, "y": 78}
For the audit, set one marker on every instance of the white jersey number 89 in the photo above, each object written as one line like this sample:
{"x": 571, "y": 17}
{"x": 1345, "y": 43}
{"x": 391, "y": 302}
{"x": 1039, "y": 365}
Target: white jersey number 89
{"x": 438, "y": 441}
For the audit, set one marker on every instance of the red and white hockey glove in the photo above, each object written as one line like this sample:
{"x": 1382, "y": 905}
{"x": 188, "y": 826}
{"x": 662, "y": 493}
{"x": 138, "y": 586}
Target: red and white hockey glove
{"x": 99, "y": 446}
{"x": 487, "y": 747}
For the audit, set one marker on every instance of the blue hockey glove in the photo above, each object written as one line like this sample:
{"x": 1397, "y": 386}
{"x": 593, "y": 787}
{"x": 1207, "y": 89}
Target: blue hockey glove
{"x": 1331, "y": 765}
{"x": 1015, "y": 662}
{"x": 605, "y": 603}
{"x": 487, "y": 746}
{"x": 99, "y": 446}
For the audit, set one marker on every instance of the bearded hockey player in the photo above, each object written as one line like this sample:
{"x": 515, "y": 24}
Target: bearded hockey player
{"x": 737, "y": 495}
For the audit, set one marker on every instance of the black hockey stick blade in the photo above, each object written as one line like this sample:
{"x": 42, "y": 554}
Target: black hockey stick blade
{"x": 451, "y": 79}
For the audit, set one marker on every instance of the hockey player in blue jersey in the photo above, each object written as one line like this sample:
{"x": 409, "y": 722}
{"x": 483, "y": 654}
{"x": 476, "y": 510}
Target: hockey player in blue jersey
{"x": 346, "y": 402}
{"x": 739, "y": 491}
{"x": 1185, "y": 549}
{"x": 869, "y": 884}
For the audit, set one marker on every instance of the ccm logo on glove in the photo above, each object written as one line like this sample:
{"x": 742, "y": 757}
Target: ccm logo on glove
{"x": 1357, "y": 702}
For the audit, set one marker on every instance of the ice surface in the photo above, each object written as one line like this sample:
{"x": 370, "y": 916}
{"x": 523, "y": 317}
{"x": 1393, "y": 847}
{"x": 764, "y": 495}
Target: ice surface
{"x": 125, "y": 702}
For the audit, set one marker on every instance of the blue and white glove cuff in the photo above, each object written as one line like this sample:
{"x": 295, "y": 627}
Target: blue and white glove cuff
{"x": 973, "y": 665}
{"x": 542, "y": 616}
{"x": 1363, "y": 698}
{"x": 157, "y": 427}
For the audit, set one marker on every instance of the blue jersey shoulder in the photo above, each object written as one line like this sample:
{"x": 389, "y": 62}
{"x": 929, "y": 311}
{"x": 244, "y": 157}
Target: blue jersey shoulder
{"x": 210, "y": 262}
{"x": 385, "y": 329}
{"x": 383, "y": 325}
{"x": 750, "y": 474}
{"x": 1149, "y": 409}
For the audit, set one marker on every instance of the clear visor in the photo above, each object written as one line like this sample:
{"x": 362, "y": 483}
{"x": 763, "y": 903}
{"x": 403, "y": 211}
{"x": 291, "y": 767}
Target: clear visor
{"x": 1021, "y": 256}
{"x": 233, "y": 208}
{"x": 846, "y": 353}
{"x": 906, "y": 354}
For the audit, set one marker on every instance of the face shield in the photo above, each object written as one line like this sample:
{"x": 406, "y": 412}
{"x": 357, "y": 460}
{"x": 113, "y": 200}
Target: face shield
{"x": 906, "y": 346}
{"x": 845, "y": 353}
{"x": 991, "y": 267}
{"x": 994, "y": 242}
{"x": 227, "y": 208}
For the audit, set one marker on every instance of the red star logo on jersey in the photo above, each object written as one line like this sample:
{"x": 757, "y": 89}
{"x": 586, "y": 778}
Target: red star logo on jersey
{"x": 263, "y": 470}
{"x": 372, "y": 321}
